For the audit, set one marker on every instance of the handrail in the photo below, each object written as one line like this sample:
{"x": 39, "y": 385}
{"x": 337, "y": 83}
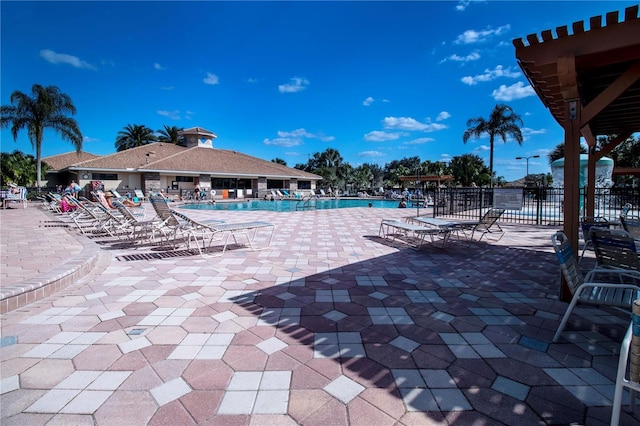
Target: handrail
{"x": 306, "y": 203}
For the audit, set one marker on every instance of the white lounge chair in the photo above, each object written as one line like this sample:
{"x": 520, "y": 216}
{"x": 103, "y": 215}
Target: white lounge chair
{"x": 210, "y": 232}
{"x": 589, "y": 289}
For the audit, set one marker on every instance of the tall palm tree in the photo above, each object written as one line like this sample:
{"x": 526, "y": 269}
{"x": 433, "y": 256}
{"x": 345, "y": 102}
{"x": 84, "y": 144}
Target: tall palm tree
{"x": 134, "y": 135}
{"x": 171, "y": 134}
{"x": 47, "y": 108}
{"x": 502, "y": 122}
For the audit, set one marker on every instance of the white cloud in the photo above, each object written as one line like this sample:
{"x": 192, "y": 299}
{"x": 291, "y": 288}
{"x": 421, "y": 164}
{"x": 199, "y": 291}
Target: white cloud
{"x": 411, "y": 124}
{"x": 63, "y": 58}
{"x": 380, "y": 136}
{"x": 368, "y": 101}
{"x": 515, "y": 91}
{"x": 298, "y": 133}
{"x": 252, "y": 80}
{"x": 443, "y": 116}
{"x": 87, "y": 139}
{"x": 473, "y": 36}
{"x": 419, "y": 141}
{"x": 286, "y": 142}
{"x": 489, "y": 75}
{"x": 158, "y": 66}
{"x": 403, "y": 123}
{"x": 174, "y": 115}
{"x": 211, "y": 79}
{"x": 473, "y": 56}
{"x": 371, "y": 154}
{"x": 483, "y": 148}
{"x": 296, "y": 84}
{"x": 295, "y": 137}
{"x": 462, "y": 5}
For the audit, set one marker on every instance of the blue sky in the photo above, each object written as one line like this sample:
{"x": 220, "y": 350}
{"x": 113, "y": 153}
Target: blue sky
{"x": 378, "y": 81}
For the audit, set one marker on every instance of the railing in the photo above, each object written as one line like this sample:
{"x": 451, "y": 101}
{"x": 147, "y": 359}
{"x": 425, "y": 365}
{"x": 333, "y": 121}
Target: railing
{"x": 308, "y": 202}
{"x": 540, "y": 206}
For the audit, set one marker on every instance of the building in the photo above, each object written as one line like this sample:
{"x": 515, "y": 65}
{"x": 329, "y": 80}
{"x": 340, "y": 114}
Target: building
{"x": 178, "y": 169}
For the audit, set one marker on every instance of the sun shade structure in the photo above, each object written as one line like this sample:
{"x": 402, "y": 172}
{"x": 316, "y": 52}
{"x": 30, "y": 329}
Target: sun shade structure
{"x": 590, "y": 82}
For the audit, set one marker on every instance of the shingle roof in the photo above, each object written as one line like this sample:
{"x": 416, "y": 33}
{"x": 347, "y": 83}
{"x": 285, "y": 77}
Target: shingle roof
{"x": 131, "y": 158}
{"x": 169, "y": 158}
{"x": 62, "y": 161}
{"x": 224, "y": 162}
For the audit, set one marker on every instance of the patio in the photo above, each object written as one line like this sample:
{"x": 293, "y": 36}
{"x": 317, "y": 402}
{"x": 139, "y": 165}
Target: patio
{"x": 330, "y": 325}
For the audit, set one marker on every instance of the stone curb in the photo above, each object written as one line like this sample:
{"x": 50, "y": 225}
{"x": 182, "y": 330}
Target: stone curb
{"x": 47, "y": 283}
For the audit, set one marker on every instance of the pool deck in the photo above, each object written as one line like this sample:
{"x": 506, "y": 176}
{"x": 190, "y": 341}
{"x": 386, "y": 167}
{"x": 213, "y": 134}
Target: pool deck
{"x": 331, "y": 325}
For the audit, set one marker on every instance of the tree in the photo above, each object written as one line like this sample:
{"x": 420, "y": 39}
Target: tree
{"x": 133, "y": 136}
{"x": 558, "y": 152}
{"x": 279, "y": 160}
{"x": 171, "y": 134}
{"x": 502, "y": 122}
{"x": 19, "y": 168}
{"x": 468, "y": 169}
{"x": 47, "y": 108}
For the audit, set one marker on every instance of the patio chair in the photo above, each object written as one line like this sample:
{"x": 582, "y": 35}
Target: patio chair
{"x": 616, "y": 249}
{"x": 138, "y": 230}
{"x": 586, "y": 289}
{"x": 585, "y": 225}
{"x": 170, "y": 226}
{"x": 628, "y": 375}
{"x": 632, "y": 226}
{"x": 488, "y": 221}
{"x": 20, "y": 197}
{"x": 223, "y": 232}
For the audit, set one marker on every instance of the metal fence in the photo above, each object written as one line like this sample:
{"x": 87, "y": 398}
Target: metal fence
{"x": 540, "y": 206}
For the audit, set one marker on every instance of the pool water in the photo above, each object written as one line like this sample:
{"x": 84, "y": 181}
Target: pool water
{"x": 290, "y": 205}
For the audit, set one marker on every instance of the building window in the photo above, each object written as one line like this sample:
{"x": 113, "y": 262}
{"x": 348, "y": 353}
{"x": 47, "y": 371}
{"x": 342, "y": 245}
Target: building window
{"x": 184, "y": 178}
{"x": 104, "y": 176}
{"x": 304, "y": 184}
{"x": 230, "y": 183}
{"x": 275, "y": 184}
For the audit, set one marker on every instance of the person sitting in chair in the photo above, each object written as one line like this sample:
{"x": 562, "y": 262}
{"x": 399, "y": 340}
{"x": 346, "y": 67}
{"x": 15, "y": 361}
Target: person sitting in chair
{"x": 125, "y": 202}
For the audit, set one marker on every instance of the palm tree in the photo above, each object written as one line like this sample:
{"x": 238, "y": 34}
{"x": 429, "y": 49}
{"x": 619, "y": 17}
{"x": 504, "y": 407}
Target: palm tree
{"x": 558, "y": 152}
{"x": 171, "y": 134}
{"x": 133, "y": 136}
{"x": 502, "y": 122}
{"x": 279, "y": 160}
{"x": 47, "y": 108}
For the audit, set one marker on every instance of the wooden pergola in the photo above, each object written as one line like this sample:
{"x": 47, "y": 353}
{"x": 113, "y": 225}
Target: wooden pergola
{"x": 590, "y": 82}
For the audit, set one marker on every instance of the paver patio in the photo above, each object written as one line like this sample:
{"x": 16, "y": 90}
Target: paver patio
{"x": 331, "y": 325}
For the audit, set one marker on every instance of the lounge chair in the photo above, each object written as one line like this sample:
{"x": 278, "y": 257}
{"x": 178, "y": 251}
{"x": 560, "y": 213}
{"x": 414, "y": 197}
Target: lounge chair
{"x": 139, "y": 194}
{"x": 20, "y": 197}
{"x": 585, "y": 225}
{"x": 488, "y": 224}
{"x": 629, "y": 361}
{"x": 631, "y": 225}
{"x": 223, "y": 232}
{"x": 286, "y": 193}
{"x": 170, "y": 227}
{"x": 615, "y": 249}
{"x": 412, "y": 234}
{"x": 138, "y": 230}
{"x": 589, "y": 289}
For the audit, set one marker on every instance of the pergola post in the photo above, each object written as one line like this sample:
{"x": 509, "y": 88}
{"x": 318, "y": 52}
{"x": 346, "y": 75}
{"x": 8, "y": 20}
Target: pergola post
{"x": 573, "y": 112}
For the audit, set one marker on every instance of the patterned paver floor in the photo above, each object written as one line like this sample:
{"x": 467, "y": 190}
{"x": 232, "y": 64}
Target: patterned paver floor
{"x": 331, "y": 325}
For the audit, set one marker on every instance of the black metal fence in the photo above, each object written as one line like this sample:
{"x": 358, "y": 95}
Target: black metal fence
{"x": 540, "y": 206}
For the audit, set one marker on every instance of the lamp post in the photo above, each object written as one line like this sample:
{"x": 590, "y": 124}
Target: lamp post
{"x": 527, "y": 158}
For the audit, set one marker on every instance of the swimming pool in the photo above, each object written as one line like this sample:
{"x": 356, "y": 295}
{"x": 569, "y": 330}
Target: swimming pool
{"x": 290, "y": 205}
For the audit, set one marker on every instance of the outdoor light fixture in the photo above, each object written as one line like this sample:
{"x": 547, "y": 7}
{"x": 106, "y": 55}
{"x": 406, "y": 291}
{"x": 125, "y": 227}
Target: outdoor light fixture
{"x": 527, "y": 158}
